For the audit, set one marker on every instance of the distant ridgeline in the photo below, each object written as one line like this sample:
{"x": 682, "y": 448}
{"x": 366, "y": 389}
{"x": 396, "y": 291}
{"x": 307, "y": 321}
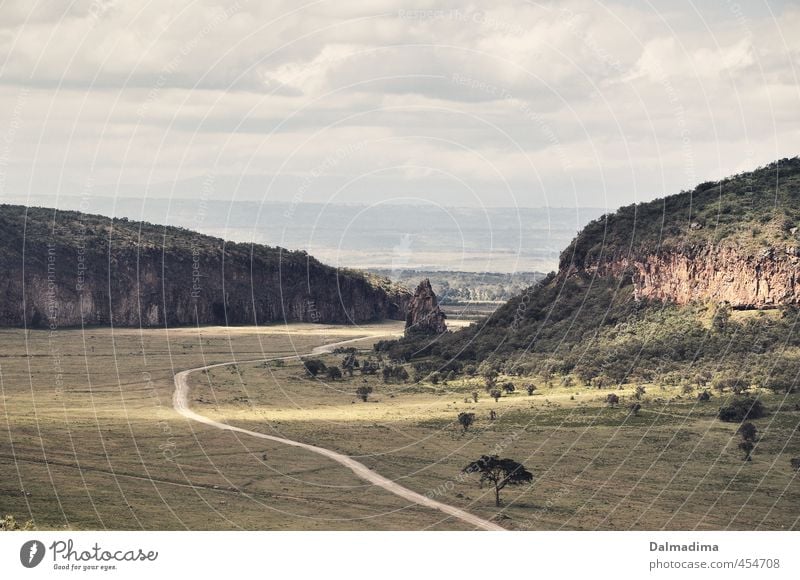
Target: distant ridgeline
{"x": 701, "y": 281}
{"x": 68, "y": 268}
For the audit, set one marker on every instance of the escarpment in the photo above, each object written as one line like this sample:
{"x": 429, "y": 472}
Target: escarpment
{"x": 69, "y": 269}
{"x": 709, "y": 273}
{"x": 733, "y": 241}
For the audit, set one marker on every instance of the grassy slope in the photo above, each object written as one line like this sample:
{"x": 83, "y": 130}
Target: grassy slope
{"x": 752, "y": 211}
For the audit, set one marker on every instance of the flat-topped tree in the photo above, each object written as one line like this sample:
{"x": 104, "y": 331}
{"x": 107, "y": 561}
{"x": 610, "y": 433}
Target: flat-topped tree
{"x": 499, "y": 472}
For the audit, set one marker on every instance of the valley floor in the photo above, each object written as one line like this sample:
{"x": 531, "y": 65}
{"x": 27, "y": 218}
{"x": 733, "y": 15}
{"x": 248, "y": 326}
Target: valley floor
{"x": 89, "y": 440}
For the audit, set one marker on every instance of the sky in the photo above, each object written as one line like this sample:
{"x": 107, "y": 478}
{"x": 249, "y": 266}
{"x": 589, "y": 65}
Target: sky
{"x": 511, "y": 104}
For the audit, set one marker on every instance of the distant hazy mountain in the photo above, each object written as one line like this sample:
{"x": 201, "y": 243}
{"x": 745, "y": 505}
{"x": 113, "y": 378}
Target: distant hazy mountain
{"x": 383, "y": 236}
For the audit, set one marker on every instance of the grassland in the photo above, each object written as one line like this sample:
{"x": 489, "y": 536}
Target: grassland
{"x": 89, "y": 441}
{"x": 673, "y": 466}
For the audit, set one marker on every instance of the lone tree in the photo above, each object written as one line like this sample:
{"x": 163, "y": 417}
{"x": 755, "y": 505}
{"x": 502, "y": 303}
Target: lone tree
{"x": 466, "y": 419}
{"x": 495, "y": 394}
{"x": 509, "y": 387}
{"x": 334, "y": 373}
{"x": 475, "y": 396}
{"x": 639, "y": 392}
{"x": 635, "y": 408}
{"x": 612, "y": 400}
{"x": 530, "y": 388}
{"x": 499, "y": 473}
{"x": 704, "y": 396}
{"x": 363, "y": 392}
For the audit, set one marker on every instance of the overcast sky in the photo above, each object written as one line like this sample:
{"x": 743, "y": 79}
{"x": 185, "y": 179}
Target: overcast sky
{"x": 493, "y": 103}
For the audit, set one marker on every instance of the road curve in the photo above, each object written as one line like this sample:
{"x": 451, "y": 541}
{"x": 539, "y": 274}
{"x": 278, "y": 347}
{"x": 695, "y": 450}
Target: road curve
{"x": 180, "y": 402}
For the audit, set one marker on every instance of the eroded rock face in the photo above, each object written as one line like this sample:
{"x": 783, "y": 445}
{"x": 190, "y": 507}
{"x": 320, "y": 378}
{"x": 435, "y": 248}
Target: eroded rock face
{"x": 708, "y": 273}
{"x": 424, "y": 314}
{"x": 90, "y": 270}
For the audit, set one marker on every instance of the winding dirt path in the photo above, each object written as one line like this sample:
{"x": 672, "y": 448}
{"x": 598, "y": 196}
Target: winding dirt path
{"x": 180, "y": 402}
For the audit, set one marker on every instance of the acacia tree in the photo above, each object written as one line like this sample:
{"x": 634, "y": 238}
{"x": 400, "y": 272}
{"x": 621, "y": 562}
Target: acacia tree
{"x": 495, "y": 394}
{"x": 499, "y": 473}
{"x": 466, "y": 419}
{"x": 612, "y": 399}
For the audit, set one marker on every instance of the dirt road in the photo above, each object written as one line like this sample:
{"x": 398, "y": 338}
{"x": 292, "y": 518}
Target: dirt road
{"x": 181, "y": 405}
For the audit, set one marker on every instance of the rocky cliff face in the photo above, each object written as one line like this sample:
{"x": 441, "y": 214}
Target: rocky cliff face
{"x": 68, "y": 269}
{"x": 424, "y": 315}
{"x": 717, "y": 274}
{"x": 734, "y": 240}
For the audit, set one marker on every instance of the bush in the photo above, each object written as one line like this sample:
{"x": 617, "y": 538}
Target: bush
{"x": 334, "y": 373}
{"x": 612, "y": 400}
{"x": 394, "y": 374}
{"x": 10, "y": 523}
{"x": 704, "y": 396}
{"x": 313, "y": 367}
{"x": 465, "y": 420}
{"x": 363, "y": 392}
{"x": 495, "y": 394}
{"x": 742, "y": 410}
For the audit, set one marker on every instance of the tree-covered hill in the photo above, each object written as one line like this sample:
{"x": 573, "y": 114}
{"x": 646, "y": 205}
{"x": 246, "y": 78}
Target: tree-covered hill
{"x": 70, "y": 268}
{"x": 641, "y": 295}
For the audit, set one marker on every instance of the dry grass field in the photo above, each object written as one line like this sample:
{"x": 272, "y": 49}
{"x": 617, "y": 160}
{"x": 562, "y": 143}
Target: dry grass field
{"x": 89, "y": 441}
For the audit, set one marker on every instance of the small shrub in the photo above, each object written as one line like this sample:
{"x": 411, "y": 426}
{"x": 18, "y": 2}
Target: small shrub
{"x": 363, "y": 392}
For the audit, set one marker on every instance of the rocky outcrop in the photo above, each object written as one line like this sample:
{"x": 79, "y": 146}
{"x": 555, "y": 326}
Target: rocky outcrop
{"x": 69, "y": 269}
{"x": 424, "y": 315}
{"x": 711, "y": 273}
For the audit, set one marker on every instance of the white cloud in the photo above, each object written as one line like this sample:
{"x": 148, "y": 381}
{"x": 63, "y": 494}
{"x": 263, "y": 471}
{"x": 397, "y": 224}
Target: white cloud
{"x": 616, "y": 98}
